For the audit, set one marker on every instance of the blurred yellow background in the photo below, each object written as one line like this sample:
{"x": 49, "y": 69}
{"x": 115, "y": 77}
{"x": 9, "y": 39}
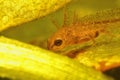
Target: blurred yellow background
{"x": 38, "y": 31}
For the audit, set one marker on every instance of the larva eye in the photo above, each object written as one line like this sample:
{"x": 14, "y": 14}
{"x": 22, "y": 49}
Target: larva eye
{"x": 58, "y": 42}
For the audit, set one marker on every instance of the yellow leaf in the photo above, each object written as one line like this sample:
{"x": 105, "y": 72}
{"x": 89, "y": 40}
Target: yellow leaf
{"x": 17, "y": 12}
{"x": 20, "y": 61}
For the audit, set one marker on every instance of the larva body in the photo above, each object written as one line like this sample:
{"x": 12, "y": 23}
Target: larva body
{"x": 74, "y": 34}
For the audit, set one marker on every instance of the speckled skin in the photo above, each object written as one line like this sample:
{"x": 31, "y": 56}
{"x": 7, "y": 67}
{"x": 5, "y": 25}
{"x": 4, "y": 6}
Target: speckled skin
{"x": 74, "y": 34}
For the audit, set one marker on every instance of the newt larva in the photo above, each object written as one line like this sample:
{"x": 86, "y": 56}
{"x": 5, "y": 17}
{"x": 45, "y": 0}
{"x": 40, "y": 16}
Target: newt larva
{"x": 86, "y": 29}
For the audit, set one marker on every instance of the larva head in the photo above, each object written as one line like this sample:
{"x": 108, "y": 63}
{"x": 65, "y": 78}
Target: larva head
{"x": 59, "y": 40}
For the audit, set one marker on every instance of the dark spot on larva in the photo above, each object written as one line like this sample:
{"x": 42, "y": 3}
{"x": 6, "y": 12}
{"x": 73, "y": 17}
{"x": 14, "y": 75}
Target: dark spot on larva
{"x": 96, "y": 34}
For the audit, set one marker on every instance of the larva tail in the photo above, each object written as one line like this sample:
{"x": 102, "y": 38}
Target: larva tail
{"x": 102, "y": 17}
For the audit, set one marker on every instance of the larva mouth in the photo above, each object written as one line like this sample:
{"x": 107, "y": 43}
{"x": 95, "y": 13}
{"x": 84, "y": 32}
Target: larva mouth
{"x": 48, "y": 45}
